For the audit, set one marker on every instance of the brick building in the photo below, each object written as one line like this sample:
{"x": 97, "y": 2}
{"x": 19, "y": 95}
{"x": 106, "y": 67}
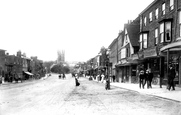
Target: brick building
{"x": 158, "y": 29}
{"x": 128, "y": 59}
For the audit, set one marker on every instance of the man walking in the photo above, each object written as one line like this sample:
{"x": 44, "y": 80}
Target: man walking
{"x": 141, "y": 78}
{"x": 149, "y": 77}
{"x": 171, "y": 76}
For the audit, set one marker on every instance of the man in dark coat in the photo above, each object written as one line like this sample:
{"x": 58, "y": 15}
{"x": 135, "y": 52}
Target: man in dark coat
{"x": 149, "y": 77}
{"x": 76, "y": 81}
{"x": 171, "y": 76}
{"x": 141, "y": 78}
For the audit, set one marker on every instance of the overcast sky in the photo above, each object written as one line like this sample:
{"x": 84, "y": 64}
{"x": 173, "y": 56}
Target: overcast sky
{"x": 80, "y": 27}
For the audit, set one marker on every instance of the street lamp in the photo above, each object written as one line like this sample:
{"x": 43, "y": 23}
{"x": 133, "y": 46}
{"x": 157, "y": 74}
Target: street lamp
{"x": 107, "y": 64}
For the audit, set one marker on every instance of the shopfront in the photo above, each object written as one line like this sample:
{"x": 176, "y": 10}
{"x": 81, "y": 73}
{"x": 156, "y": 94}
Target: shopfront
{"x": 172, "y": 53}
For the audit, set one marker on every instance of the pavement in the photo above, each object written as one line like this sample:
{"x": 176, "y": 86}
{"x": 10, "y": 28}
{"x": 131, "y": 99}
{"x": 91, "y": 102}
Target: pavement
{"x": 164, "y": 93}
{"x": 156, "y": 91}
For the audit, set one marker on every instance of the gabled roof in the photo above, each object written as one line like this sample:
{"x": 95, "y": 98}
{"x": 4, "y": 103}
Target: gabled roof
{"x": 133, "y": 30}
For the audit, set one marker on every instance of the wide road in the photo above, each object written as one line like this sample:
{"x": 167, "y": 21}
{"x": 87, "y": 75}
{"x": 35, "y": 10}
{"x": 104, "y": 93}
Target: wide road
{"x": 54, "y": 96}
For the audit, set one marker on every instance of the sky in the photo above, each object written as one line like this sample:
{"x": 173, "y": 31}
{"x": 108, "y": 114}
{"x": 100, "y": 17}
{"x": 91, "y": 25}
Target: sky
{"x": 79, "y": 27}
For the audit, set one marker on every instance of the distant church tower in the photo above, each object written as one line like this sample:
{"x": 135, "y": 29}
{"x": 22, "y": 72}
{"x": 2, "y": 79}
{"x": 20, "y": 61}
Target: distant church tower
{"x": 61, "y": 56}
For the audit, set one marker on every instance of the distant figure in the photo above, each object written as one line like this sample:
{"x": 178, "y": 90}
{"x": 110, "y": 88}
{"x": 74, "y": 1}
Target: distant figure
{"x": 76, "y": 80}
{"x": 141, "y": 78}
{"x": 102, "y": 77}
{"x": 113, "y": 77}
{"x": 63, "y": 75}
{"x": 171, "y": 77}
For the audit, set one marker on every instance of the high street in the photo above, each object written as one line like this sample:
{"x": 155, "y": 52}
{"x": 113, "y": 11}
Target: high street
{"x": 53, "y": 96}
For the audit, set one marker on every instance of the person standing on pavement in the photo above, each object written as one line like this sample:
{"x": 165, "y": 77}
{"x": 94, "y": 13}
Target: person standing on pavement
{"x": 171, "y": 76}
{"x": 141, "y": 78}
{"x": 149, "y": 77}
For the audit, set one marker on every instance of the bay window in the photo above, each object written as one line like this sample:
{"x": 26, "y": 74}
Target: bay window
{"x": 165, "y": 31}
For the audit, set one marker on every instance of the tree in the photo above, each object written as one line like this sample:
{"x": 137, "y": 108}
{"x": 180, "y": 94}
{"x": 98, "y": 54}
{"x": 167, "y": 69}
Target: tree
{"x": 60, "y": 68}
{"x": 47, "y": 65}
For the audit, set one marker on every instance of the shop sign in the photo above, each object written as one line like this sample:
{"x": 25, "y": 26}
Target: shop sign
{"x": 150, "y": 52}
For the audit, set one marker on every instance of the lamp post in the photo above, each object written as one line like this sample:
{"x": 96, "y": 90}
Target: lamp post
{"x": 107, "y": 64}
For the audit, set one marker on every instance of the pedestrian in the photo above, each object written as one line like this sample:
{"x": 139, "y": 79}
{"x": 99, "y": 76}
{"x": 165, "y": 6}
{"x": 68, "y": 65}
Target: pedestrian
{"x": 113, "y": 78}
{"x": 141, "y": 78}
{"x": 102, "y": 77}
{"x": 171, "y": 76}
{"x": 149, "y": 77}
{"x": 76, "y": 80}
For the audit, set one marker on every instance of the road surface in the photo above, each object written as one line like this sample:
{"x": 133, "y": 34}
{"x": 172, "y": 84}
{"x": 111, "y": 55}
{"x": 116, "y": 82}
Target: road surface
{"x": 54, "y": 96}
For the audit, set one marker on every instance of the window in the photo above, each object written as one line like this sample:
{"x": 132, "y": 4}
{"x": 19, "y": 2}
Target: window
{"x": 179, "y": 23}
{"x": 150, "y": 16}
{"x": 165, "y": 31}
{"x": 127, "y": 52}
{"x": 145, "y": 21}
{"x": 168, "y": 31}
{"x": 163, "y": 9}
{"x": 145, "y": 44}
{"x": 156, "y": 13}
{"x": 156, "y": 36}
{"x": 141, "y": 23}
{"x": 171, "y": 4}
{"x": 141, "y": 42}
{"x": 162, "y": 32}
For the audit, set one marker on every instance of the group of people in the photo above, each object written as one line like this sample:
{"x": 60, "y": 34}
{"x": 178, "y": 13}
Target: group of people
{"x": 62, "y": 75}
{"x": 145, "y": 77}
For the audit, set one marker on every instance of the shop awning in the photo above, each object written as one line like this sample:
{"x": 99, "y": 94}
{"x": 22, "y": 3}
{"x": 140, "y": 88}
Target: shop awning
{"x": 175, "y": 46}
{"x": 130, "y": 62}
{"x": 28, "y": 73}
